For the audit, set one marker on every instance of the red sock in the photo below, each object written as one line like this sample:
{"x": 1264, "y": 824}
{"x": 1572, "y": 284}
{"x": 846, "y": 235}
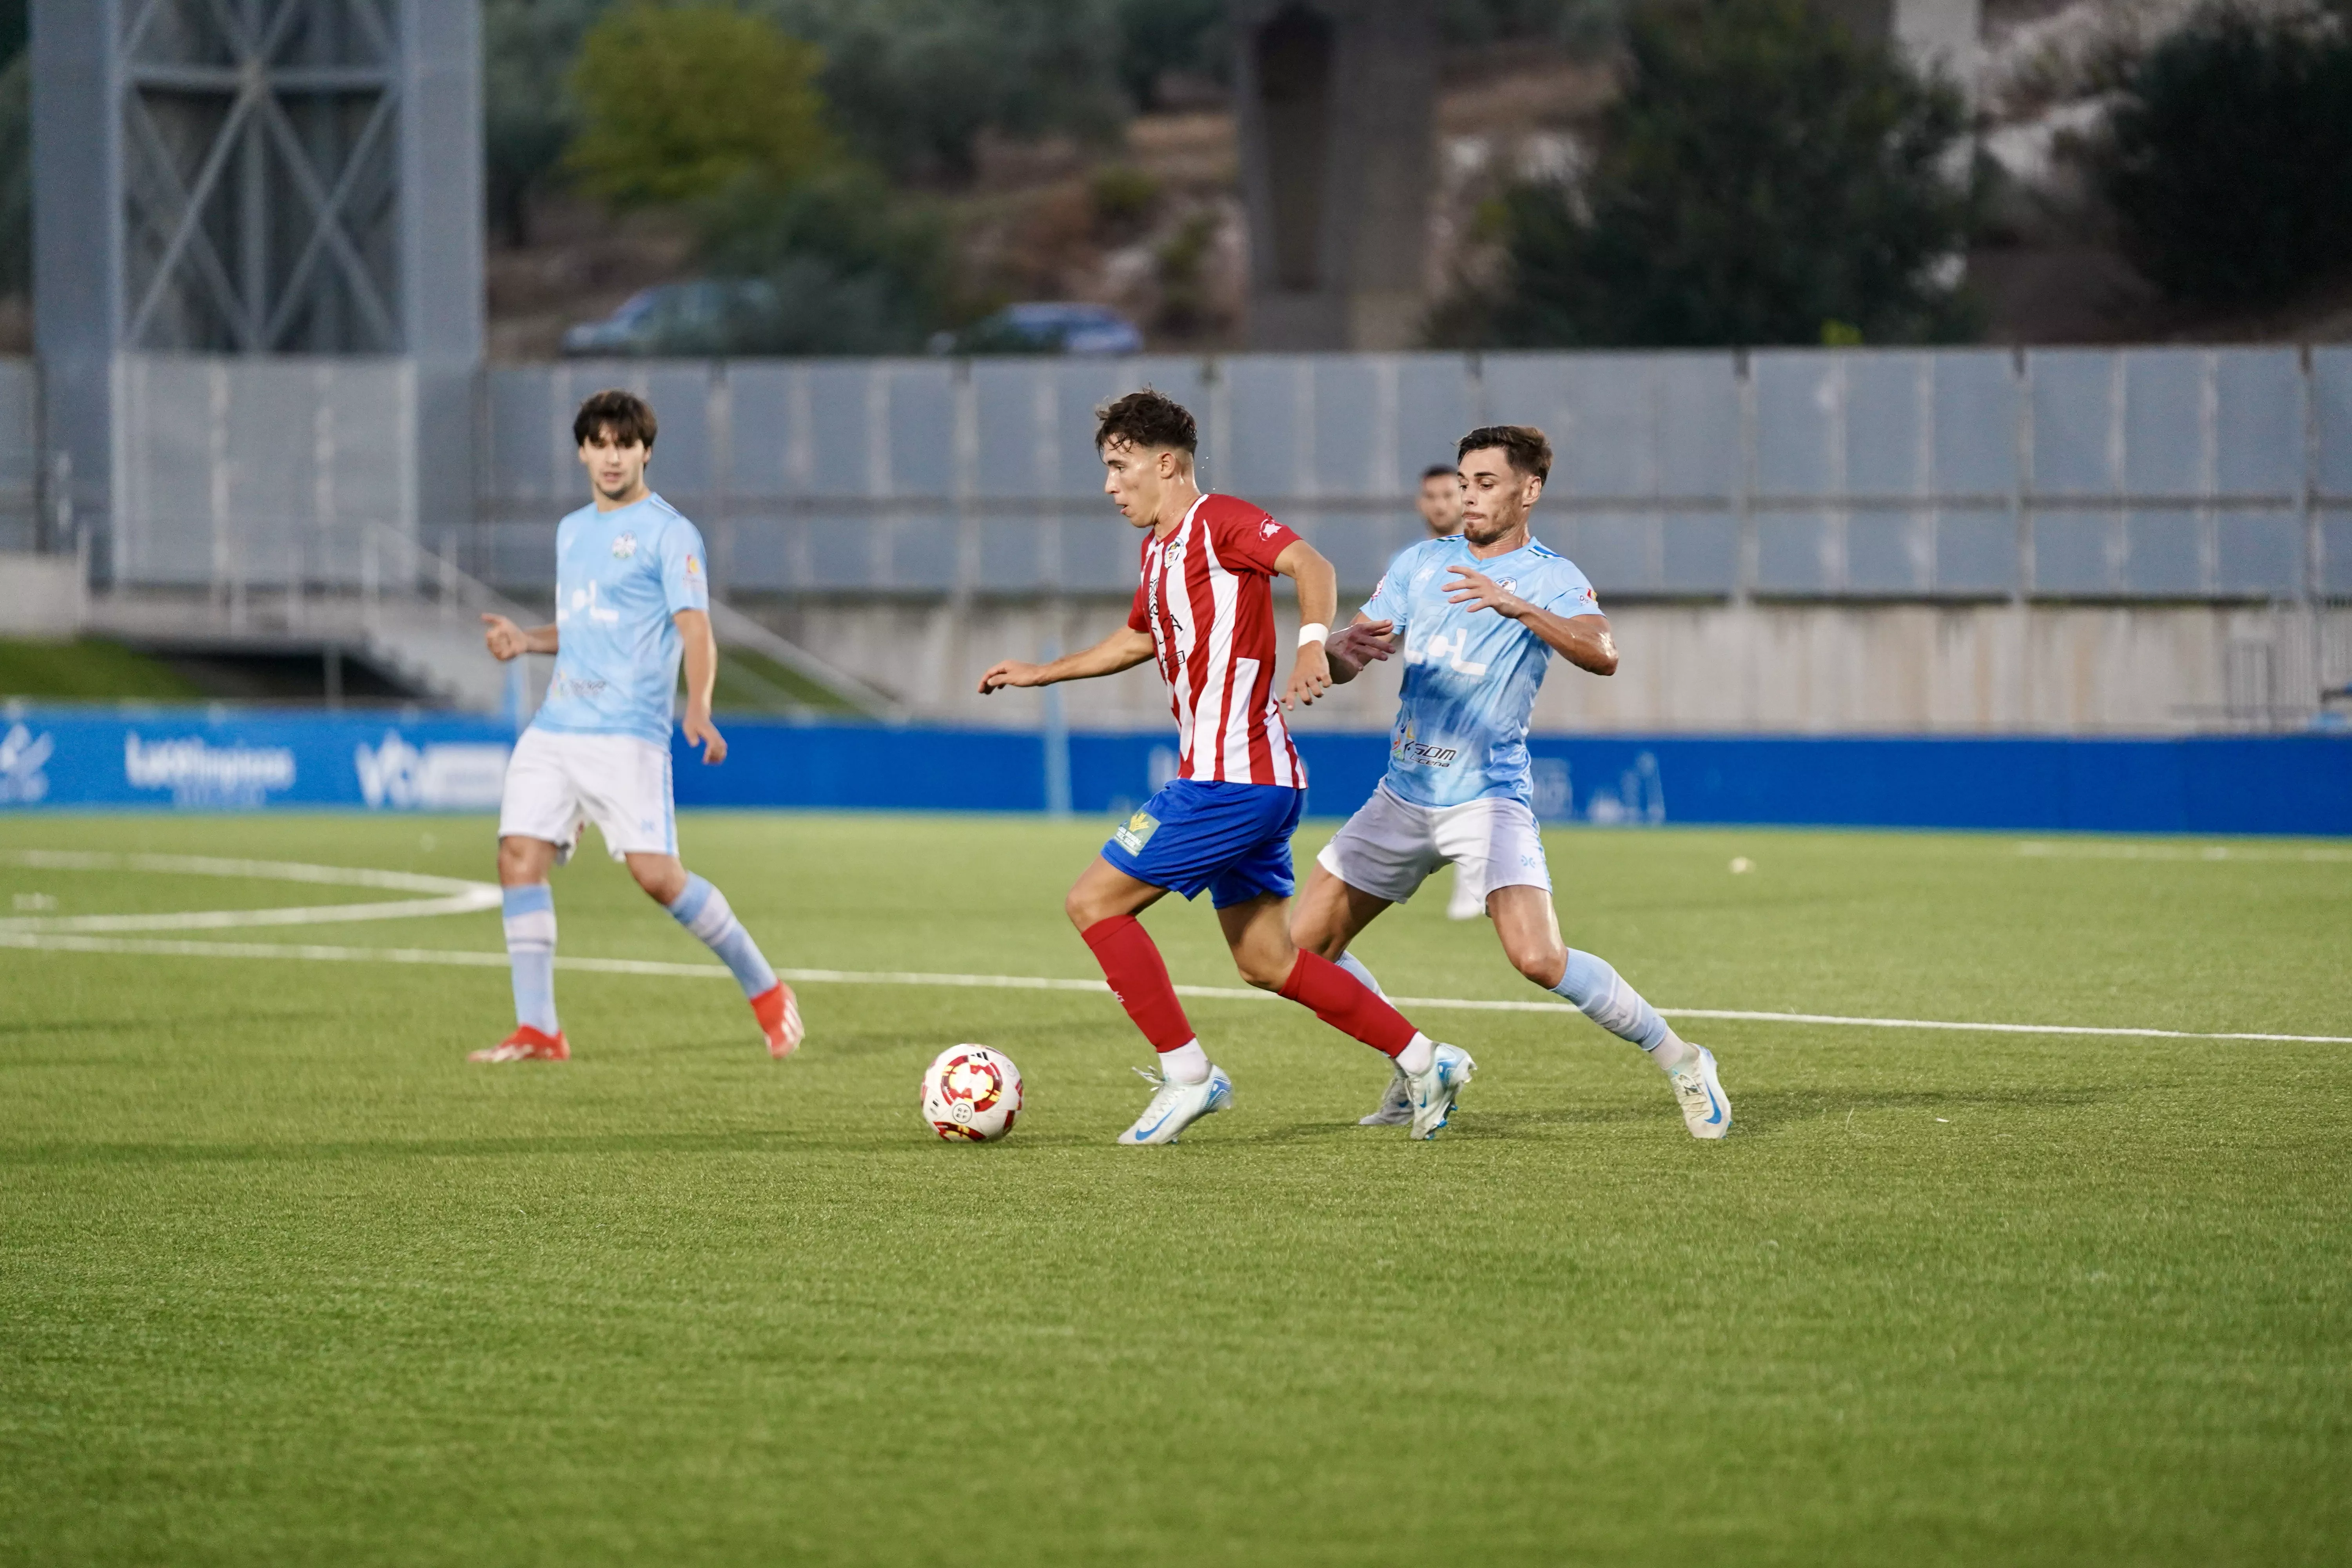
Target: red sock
{"x": 1345, "y": 1003}
{"x": 1139, "y": 977}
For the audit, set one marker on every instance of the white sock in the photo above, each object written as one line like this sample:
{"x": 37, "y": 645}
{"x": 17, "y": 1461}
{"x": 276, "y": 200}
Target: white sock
{"x": 1419, "y": 1056}
{"x": 1187, "y": 1064}
{"x": 1355, "y": 966}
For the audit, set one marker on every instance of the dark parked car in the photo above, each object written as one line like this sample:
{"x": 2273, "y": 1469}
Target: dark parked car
{"x": 1045, "y": 327}
{"x": 709, "y": 316}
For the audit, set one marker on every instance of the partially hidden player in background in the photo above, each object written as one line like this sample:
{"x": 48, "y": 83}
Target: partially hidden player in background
{"x": 632, "y": 598}
{"x": 1478, "y": 617}
{"x": 1440, "y": 505}
{"x": 1440, "y": 500}
{"x": 1204, "y": 611}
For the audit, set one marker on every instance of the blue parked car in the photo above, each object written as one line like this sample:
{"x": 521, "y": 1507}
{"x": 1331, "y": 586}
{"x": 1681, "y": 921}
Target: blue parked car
{"x": 1045, "y": 327}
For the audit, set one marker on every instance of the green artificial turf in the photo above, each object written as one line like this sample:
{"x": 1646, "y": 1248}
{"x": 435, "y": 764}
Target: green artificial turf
{"x": 283, "y": 1278}
{"x": 89, "y": 670}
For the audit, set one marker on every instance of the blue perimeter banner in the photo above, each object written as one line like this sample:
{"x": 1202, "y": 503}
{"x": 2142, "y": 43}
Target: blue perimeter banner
{"x": 197, "y": 759}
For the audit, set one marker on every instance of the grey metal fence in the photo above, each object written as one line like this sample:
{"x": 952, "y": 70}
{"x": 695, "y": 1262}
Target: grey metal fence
{"x": 1961, "y": 474}
{"x": 2190, "y": 474}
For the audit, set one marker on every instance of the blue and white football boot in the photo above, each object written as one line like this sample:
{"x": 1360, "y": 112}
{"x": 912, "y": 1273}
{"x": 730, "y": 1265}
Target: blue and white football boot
{"x": 1176, "y": 1106}
{"x": 1432, "y": 1094}
{"x": 1395, "y": 1108}
{"x": 1706, "y": 1108}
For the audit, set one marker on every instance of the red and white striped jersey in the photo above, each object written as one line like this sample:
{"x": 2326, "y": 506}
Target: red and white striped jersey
{"x": 1207, "y": 599}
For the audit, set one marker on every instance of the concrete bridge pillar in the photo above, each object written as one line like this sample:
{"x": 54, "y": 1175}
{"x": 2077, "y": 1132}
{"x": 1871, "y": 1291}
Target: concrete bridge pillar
{"x": 1335, "y": 99}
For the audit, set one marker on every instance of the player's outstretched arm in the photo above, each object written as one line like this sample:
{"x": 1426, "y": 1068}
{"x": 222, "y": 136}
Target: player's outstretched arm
{"x": 1123, "y": 649}
{"x": 1583, "y": 640}
{"x": 1318, "y": 601}
{"x": 506, "y": 640}
{"x": 1367, "y": 641}
{"x": 701, "y": 651}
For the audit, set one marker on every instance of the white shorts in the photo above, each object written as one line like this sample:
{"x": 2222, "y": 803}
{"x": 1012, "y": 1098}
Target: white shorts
{"x": 1391, "y": 845}
{"x": 556, "y": 782}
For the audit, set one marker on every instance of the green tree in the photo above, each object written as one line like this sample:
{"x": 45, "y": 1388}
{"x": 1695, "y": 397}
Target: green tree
{"x": 855, "y": 267}
{"x": 2229, "y": 160}
{"x": 1157, "y": 37}
{"x": 681, "y": 103}
{"x": 528, "y": 115}
{"x": 17, "y": 174}
{"x": 915, "y": 82}
{"x": 1765, "y": 179}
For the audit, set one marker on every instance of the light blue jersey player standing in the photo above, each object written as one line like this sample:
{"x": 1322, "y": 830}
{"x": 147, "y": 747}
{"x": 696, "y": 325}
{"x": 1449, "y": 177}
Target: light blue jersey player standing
{"x": 1478, "y": 617}
{"x": 632, "y": 603}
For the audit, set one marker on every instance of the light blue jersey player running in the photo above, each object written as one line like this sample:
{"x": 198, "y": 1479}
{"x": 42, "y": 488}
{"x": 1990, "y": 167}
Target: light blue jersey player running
{"x": 632, "y": 603}
{"x": 1478, "y": 617}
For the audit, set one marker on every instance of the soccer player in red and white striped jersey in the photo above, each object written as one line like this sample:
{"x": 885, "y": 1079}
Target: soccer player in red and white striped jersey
{"x": 1205, "y": 613}
{"x": 1207, "y": 604}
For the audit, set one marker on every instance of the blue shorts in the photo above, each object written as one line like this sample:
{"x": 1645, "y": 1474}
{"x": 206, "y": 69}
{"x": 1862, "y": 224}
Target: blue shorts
{"x": 1231, "y": 838}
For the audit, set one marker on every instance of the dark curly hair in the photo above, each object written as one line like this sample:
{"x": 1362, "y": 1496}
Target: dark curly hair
{"x": 1524, "y": 444}
{"x": 627, "y": 415}
{"x": 1147, "y": 419}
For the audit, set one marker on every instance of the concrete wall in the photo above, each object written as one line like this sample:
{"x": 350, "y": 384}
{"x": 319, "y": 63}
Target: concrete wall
{"x": 1808, "y": 669}
{"x": 41, "y": 597}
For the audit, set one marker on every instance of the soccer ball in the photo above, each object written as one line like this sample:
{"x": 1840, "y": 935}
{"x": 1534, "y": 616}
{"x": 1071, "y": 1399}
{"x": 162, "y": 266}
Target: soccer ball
{"x": 971, "y": 1093}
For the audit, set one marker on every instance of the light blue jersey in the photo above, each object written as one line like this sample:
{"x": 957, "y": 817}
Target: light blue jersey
{"x": 1471, "y": 676}
{"x": 619, "y": 577}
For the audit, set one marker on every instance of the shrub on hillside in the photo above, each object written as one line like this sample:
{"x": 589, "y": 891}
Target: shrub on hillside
{"x": 858, "y": 268}
{"x": 1765, "y": 179}
{"x": 2228, "y": 159}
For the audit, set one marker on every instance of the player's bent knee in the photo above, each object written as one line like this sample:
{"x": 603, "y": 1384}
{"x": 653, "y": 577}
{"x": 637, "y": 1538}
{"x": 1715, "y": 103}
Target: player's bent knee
{"x": 1265, "y": 976}
{"x": 521, "y": 861}
{"x": 1540, "y": 964}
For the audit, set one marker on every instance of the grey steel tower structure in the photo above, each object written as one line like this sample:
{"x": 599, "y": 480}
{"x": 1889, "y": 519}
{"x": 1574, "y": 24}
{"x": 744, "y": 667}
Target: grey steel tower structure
{"x": 256, "y": 178}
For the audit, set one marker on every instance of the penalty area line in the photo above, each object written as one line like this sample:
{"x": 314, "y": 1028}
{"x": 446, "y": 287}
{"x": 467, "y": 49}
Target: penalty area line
{"x": 64, "y": 941}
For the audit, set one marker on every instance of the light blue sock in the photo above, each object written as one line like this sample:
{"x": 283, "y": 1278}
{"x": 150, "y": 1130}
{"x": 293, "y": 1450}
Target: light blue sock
{"x": 704, "y": 910}
{"x": 1355, "y": 966}
{"x": 1602, "y": 996}
{"x": 530, "y": 952}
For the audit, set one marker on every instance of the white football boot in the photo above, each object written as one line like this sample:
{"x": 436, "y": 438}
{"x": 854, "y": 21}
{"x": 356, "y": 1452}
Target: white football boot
{"x": 1176, "y": 1106}
{"x": 1396, "y": 1104}
{"x": 1706, "y": 1110}
{"x": 1433, "y": 1093}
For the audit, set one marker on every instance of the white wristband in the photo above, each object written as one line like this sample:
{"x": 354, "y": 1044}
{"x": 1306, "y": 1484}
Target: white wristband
{"x": 1313, "y": 631}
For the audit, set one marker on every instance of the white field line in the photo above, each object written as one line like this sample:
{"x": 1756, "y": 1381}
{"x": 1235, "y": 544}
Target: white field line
{"x": 63, "y": 942}
{"x": 254, "y": 870}
{"x": 2308, "y": 854}
{"x": 459, "y": 897}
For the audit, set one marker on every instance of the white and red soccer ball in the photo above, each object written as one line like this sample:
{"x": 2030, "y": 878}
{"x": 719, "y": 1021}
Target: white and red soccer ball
{"x": 972, "y": 1094}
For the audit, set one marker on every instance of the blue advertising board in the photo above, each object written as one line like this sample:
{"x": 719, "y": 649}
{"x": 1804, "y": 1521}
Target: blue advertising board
{"x": 218, "y": 759}
{"x": 210, "y": 760}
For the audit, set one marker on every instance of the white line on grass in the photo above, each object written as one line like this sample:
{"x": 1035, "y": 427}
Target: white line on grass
{"x": 63, "y": 942}
{"x": 2313, "y": 855}
{"x": 459, "y": 897}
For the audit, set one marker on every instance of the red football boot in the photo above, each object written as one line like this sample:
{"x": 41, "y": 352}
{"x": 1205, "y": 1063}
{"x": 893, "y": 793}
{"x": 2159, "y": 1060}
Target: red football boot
{"x": 526, "y": 1045}
{"x": 780, "y": 1019}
